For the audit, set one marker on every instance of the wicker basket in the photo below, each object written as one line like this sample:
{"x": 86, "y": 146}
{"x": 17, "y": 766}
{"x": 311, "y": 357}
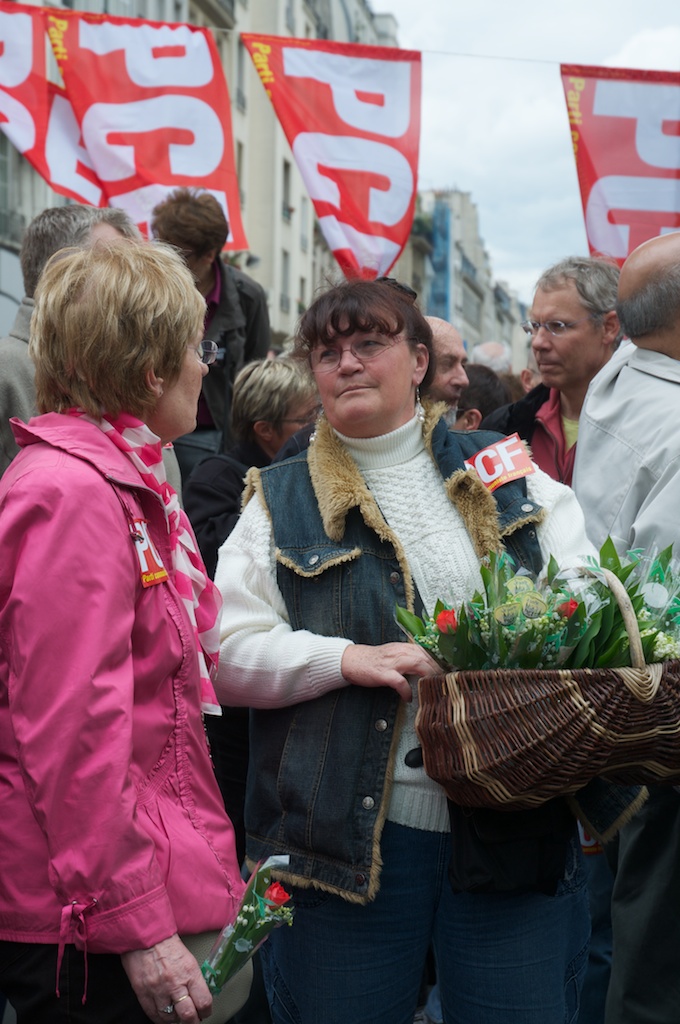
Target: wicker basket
{"x": 516, "y": 738}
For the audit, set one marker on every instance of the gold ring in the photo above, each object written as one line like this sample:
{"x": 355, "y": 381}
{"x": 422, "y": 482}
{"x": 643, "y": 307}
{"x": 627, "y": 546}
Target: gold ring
{"x": 181, "y": 998}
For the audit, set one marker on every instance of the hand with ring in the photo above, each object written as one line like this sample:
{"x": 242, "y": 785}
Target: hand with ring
{"x": 168, "y": 982}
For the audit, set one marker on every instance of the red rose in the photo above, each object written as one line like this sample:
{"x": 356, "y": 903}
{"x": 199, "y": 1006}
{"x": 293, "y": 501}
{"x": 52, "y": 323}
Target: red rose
{"x": 567, "y": 608}
{"x": 446, "y": 621}
{"x": 277, "y": 894}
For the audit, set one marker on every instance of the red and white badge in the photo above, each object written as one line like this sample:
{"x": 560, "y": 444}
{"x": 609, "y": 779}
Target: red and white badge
{"x": 589, "y": 844}
{"x": 507, "y": 459}
{"x": 151, "y": 568}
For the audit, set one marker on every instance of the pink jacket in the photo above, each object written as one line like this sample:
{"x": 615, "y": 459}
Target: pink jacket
{"x": 113, "y": 833}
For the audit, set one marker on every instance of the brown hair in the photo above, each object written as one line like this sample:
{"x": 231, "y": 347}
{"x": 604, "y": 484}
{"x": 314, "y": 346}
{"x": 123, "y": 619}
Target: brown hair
{"x": 192, "y": 220}
{"x": 357, "y": 305}
{"x": 104, "y": 318}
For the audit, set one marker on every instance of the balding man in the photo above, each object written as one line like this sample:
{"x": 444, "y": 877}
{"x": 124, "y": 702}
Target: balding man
{"x": 450, "y": 358}
{"x": 627, "y": 479}
{"x": 497, "y": 355}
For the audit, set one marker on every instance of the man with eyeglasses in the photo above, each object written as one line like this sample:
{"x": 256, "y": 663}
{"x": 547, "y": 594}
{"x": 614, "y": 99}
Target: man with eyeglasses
{"x": 573, "y": 329}
{"x": 627, "y": 479}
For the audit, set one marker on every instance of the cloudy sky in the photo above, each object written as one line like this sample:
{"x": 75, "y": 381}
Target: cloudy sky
{"x": 494, "y": 120}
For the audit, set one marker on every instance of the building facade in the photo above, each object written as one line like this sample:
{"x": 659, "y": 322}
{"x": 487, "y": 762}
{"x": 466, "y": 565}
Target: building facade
{"x": 445, "y": 259}
{"x": 462, "y": 288}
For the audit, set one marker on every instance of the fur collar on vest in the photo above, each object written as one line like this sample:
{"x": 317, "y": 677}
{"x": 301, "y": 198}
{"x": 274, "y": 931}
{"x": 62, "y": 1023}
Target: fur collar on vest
{"x": 340, "y": 487}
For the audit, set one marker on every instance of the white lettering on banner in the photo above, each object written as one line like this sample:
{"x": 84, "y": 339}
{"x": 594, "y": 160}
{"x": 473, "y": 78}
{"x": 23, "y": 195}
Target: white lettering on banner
{"x": 16, "y": 52}
{"x": 18, "y": 125}
{"x": 370, "y": 250}
{"x": 114, "y": 162}
{"x": 16, "y": 61}
{"x": 312, "y": 149}
{"x": 350, "y": 76}
{"x": 193, "y": 67}
{"x": 650, "y": 104}
{"x": 621, "y": 192}
{"x": 63, "y": 152}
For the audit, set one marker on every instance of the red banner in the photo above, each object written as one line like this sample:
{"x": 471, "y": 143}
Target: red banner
{"x": 625, "y": 129}
{"x": 145, "y": 109}
{"x": 352, "y": 117}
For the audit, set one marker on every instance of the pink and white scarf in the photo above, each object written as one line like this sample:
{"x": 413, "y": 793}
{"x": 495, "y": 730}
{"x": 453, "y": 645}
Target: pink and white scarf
{"x": 199, "y": 594}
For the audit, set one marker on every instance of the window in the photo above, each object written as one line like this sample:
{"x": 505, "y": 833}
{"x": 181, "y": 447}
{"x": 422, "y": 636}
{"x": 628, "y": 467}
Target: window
{"x": 302, "y": 300}
{"x": 241, "y": 77}
{"x": 304, "y": 219}
{"x": 472, "y": 307}
{"x": 239, "y": 173}
{"x": 285, "y": 281}
{"x": 286, "y": 208}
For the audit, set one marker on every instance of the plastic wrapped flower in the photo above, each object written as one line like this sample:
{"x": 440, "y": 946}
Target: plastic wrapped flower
{"x": 262, "y": 909}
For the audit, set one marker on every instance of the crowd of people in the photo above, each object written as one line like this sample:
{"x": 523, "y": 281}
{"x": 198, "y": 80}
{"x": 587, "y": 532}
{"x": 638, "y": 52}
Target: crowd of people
{"x": 202, "y": 544}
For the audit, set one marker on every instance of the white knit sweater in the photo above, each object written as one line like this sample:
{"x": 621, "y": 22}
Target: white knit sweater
{"x": 264, "y": 663}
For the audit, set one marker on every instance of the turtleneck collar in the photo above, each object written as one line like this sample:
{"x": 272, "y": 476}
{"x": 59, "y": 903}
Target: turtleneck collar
{"x": 391, "y": 449}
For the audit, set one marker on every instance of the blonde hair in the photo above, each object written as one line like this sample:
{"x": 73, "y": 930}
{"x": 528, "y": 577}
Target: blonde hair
{"x": 266, "y": 390}
{"x": 104, "y": 318}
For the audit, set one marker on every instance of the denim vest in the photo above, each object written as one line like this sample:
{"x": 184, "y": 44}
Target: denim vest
{"x": 318, "y": 786}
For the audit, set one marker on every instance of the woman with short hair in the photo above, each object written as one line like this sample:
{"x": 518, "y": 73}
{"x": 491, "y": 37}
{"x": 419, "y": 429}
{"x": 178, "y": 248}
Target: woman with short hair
{"x": 113, "y": 837}
{"x": 272, "y": 400}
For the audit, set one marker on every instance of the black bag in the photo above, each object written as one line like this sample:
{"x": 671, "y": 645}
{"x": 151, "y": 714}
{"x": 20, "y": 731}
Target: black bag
{"x": 509, "y": 851}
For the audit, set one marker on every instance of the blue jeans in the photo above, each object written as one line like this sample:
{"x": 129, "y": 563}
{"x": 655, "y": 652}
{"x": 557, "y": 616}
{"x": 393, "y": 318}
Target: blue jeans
{"x": 502, "y": 958}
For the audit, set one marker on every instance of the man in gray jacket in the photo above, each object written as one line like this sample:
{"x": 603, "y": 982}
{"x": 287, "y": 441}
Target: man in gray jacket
{"x": 53, "y": 229}
{"x": 627, "y": 479}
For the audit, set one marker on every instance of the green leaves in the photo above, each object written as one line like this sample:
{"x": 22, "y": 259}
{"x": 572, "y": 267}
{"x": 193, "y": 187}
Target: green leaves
{"x": 569, "y": 623}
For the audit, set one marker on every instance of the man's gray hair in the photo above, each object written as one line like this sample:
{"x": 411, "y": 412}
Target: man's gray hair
{"x": 60, "y": 227}
{"x": 655, "y": 306}
{"x": 596, "y": 281}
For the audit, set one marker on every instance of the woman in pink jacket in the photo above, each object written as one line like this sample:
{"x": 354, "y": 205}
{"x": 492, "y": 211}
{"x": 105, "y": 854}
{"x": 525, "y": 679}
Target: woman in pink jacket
{"x": 113, "y": 837}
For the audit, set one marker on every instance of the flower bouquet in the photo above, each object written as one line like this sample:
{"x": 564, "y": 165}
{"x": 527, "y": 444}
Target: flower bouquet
{"x": 549, "y": 683}
{"x": 568, "y": 619}
{"x": 263, "y": 908}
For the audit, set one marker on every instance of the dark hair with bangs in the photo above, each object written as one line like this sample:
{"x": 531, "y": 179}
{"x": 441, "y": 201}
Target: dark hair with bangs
{"x": 362, "y": 306}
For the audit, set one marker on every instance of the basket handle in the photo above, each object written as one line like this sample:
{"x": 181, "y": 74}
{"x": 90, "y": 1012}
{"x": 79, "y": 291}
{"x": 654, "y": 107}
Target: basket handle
{"x": 637, "y": 658}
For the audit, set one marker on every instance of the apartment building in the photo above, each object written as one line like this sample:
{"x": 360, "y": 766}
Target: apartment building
{"x": 445, "y": 259}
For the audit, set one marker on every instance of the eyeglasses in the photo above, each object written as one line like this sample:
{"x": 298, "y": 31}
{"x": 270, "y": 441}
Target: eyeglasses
{"x": 556, "y": 327}
{"x": 311, "y": 417}
{"x": 207, "y": 352}
{"x": 325, "y": 358}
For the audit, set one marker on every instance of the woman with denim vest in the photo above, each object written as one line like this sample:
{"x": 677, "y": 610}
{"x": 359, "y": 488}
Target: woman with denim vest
{"x": 382, "y": 510}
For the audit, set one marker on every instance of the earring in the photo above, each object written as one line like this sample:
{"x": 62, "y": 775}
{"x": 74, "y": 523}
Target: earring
{"x": 420, "y": 412}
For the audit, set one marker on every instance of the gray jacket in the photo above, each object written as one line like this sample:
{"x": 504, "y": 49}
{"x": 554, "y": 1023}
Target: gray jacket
{"x": 17, "y": 390}
{"x": 627, "y": 473}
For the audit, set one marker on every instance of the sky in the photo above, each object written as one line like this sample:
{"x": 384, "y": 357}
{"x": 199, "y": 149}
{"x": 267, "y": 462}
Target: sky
{"x": 494, "y": 118}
